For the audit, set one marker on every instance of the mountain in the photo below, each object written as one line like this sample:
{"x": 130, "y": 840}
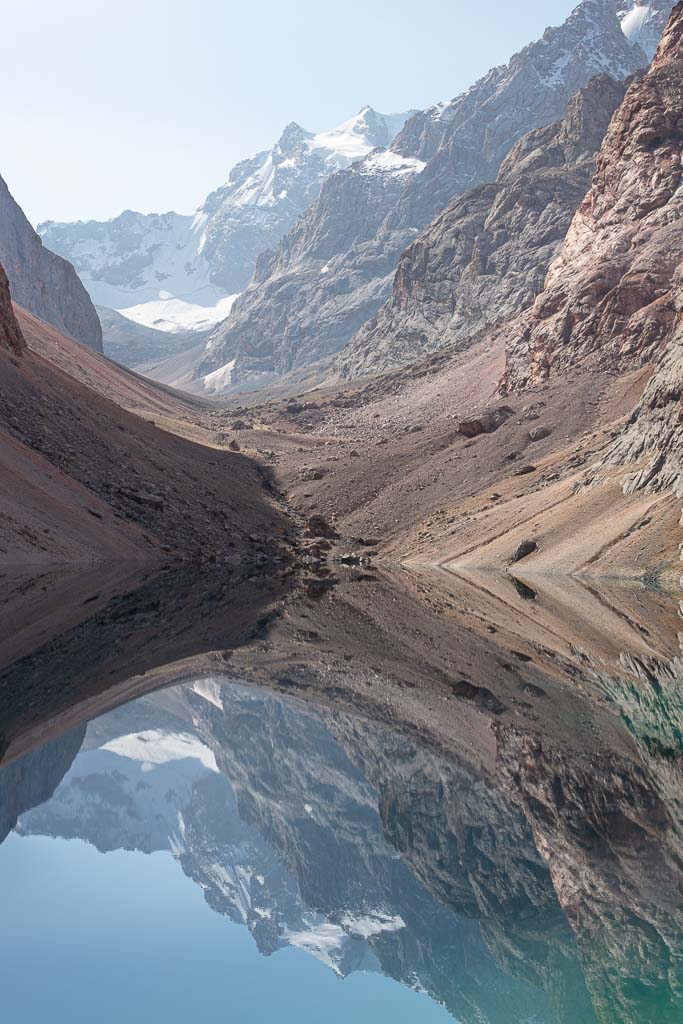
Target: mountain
{"x": 265, "y": 196}
{"x": 612, "y": 299}
{"x": 42, "y": 282}
{"x": 179, "y": 273}
{"x": 486, "y": 256}
{"x": 148, "y": 265}
{"x": 336, "y": 267}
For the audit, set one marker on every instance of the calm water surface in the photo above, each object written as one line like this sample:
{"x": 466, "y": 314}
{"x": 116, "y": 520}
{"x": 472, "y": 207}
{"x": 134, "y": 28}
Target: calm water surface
{"x": 219, "y": 850}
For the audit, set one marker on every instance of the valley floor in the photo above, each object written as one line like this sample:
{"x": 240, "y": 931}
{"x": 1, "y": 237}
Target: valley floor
{"x": 384, "y": 461}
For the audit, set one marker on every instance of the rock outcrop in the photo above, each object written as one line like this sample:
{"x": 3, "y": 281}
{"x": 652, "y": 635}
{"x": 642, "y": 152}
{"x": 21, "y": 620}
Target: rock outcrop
{"x": 41, "y": 282}
{"x": 10, "y": 333}
{"x": 305, "y": 297}
{"x": 336, "y": 268}
{"x": 608, "y": 298}
{"x": 487, "y": 255}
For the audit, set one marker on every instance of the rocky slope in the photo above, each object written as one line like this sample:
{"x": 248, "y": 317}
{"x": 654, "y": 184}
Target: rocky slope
{"x": 42, "y": 282}
{"x": 335, "y": 269}
{"x": 486, "y": 256}
{"x": 87, "y": 480}
{"x": 177, "y": 273}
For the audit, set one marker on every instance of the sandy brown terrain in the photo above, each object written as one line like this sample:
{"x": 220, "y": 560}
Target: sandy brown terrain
{"x": 384, "y": 461}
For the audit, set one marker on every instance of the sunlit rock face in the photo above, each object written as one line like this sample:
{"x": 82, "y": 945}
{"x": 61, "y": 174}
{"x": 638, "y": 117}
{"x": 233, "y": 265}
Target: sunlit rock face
{"x": 608, "y": 299}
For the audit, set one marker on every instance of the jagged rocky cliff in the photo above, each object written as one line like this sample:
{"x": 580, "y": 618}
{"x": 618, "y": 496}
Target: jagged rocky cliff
{"x": 486, "y": 256}
{"x": 265, "y": 196}
{"x": 612, "y": 298}
{"x": 40, "y": 281}
{"x": 336, "y": 268}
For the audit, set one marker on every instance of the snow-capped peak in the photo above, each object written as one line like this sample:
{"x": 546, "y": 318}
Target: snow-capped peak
{"x": 182, "y": 273}
{"x": 643, "y": 21}
{"x": 358, "y": 136}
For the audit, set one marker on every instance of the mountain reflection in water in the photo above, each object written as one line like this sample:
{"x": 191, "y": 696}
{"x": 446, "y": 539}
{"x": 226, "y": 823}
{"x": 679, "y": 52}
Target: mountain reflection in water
{"x": 538, "y": 883}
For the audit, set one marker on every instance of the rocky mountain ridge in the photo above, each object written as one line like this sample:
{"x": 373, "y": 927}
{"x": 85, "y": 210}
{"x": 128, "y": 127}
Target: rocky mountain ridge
{"x": 41, "y": 281}
{"x": 486, "y": 256}
{"x": 336, "y": 268}
{"x": 178, "y": 273}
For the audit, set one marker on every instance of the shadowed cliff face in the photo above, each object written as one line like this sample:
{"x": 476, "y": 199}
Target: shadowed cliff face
{"x": 33, "y": 779}
{"x": 42, "y": 282}
{"x": 10, "y": 333}
{"x": 514, "y": 863}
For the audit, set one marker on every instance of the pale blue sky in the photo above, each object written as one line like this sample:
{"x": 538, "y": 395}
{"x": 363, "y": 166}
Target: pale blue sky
{"x": 147, "y": 104}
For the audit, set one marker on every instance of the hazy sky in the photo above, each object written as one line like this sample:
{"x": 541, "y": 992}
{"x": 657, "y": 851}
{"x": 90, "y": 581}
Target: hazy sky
{"x": 147, "y": 104}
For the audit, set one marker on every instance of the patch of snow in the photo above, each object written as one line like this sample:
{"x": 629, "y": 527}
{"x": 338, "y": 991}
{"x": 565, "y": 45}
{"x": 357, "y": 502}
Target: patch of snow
{"x": 218, "y": 380}
{"x": 181, "y": 314}
{"x": 555, "y": 76}
{"x": 387, "y": 162}
{"x": 155, "y": 747}
{"x": 210, "y": 691}
{"x": 322, "y": 941}
{"x": 372, "y": 924}
{"x": 634, "y": 21}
